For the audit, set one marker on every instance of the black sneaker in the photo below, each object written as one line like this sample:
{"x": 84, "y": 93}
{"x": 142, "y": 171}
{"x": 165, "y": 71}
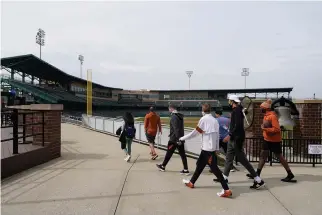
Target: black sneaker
{"x": 289, "y": 178}
{"x": 217, "y": 180}
{"x": 185, "y": 172}
{"x": 249, "y": 176}
{"x": 160, "y": 167}
{"x": 257, "y": 185}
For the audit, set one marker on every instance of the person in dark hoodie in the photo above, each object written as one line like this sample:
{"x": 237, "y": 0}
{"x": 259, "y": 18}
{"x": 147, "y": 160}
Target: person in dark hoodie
{"x": 127, "y": 133}
{"x": 235, "y": 141}
{"x": 176, "y": 131}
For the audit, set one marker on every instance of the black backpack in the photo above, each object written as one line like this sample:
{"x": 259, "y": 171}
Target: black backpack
{"x": 129, "y": 131}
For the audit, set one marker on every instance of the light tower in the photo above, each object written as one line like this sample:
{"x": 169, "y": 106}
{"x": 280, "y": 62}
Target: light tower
{"x": 189, "y": 73}
{"x": 81, "y": 59}
{"x": 245, "y": 73}
{"x": 40, "y": 39}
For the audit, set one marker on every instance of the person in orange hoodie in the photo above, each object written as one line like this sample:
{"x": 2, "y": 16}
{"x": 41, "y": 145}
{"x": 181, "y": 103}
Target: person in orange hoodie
{"x": 152, "y": 124}
{"x": 272, "y": 140}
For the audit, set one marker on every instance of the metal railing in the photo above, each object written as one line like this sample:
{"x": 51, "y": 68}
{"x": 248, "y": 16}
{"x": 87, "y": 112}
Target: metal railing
{"x": 110, "y": 125}
{"x": 294, "y": 150}
{"x": 10, "y": 121}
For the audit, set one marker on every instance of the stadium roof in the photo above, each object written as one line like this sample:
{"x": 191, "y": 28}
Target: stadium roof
{"x": 256, "y": 90}
{"x": 32, "y": 65}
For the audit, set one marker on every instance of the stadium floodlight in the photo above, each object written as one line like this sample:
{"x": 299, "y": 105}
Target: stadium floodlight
{"x": 40, "y": 39}
{"x": 81, "y": 59}
{"x": 245, "y": 73}
{"x": 189, "y": 73}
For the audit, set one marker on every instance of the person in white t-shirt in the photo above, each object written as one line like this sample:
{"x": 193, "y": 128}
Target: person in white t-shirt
{"x": 208, "y": 127}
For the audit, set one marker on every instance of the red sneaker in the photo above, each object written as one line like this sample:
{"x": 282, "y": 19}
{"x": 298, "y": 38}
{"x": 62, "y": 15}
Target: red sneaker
{"x": 188, "y": 183}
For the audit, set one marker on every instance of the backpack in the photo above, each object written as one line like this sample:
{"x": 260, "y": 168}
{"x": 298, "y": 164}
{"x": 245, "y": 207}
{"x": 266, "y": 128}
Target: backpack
{"x": 129, "y": 131}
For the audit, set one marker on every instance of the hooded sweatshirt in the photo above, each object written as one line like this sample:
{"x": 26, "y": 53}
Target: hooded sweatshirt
{"x": 208, "y": 127}
{"x": 272, "y": 134}
{"x": 236, "y": 128}
{"x": 176, "y": 126}
{"x": 151, "y": 123}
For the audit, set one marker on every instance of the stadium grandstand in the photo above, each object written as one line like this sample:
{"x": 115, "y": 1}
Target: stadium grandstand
{"x": 30, "y": 79}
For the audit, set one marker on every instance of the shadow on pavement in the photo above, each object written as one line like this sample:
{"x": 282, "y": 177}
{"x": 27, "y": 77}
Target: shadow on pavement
{"x": 82, "y": 156}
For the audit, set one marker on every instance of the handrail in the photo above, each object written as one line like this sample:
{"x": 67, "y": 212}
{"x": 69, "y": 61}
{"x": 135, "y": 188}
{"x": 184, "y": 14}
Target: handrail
{"x": 294, "y": 149}
{"x": 12, "y": 121}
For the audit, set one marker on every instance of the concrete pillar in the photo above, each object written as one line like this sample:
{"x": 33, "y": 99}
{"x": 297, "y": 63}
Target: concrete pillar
{"x": 23, "y": 77}
{"x": 32, "y": 79}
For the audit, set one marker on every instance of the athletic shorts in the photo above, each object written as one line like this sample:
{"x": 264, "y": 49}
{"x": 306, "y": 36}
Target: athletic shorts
{"x": 150, "y": 138}
{"x": 275, "y": 147}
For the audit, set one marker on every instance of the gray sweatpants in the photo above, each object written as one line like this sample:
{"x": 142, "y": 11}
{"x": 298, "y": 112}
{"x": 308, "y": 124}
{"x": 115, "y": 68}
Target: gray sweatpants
{"x": 236, "y": 148}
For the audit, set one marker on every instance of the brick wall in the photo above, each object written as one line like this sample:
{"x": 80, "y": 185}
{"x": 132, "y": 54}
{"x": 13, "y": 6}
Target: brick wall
{"x": 28, "y": 120}
{"x": 307, "y": 126}
{"x": 52, "y": 131}
{"x": 52, "y": 136}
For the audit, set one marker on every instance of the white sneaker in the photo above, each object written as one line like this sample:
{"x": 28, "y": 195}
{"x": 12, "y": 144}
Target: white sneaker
{"x": 232, "y": 170}
{"x": 128, "y": 158}
{"x": 185, "y": 181}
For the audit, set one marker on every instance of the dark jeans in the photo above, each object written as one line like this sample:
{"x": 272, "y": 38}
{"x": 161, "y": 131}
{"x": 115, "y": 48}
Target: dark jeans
{"x": 171, "y": 148}
{"x": 235, "y": 148}
{"x": 209, "y": 158}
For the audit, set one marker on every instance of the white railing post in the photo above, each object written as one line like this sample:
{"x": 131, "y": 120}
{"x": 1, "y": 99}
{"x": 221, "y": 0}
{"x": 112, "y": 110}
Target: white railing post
{"x": 140, "y": 131}
{"x": 113, "y": 126}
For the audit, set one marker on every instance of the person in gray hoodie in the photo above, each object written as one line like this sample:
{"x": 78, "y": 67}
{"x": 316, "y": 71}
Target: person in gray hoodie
{"x": 176, "y": 131}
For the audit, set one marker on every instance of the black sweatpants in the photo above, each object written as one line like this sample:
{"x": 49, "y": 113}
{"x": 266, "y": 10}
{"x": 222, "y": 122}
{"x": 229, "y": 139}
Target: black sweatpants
{"x": 209, "y": 158}
{"x": 171, "y": 148}
{"x": 235, "y": 148}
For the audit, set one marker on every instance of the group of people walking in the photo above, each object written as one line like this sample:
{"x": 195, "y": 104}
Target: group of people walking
{"x": 216, "y": 133}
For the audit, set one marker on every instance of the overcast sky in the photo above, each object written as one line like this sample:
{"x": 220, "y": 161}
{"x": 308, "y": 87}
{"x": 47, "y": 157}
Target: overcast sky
{"x": 150, "y": 45}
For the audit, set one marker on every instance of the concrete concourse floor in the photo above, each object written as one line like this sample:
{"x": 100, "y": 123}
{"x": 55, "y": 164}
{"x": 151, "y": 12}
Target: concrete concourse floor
{"x": 91, "y": 177}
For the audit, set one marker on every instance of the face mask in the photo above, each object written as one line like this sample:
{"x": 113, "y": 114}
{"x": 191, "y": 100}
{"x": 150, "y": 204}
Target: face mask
{"x": 203, "y": 113}
{"x": 263, "y": 110}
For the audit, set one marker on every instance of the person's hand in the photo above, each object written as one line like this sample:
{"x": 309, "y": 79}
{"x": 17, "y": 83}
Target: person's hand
{"x": 262, "y": 126}
{"x": 180, "y": 142}
{"x": 226, "y": 139}
{"x": 180, "y": 139}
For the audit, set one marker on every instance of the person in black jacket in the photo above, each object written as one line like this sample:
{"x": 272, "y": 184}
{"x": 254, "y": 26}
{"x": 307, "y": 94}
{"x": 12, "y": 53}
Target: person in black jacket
{"x": 176, "y": 131}
{"x": 127, "y": 132}
{"x": 236, "y": 140}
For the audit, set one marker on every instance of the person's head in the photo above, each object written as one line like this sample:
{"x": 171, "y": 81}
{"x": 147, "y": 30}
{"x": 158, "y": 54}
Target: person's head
{"x": 206, "y": 109}
{"x": 233, "y": 101}
{"x": 218, "y": 113}
{"x": 128, "y": 118}
{"x": 172, "y": 108}
{"x": 151, "y": 109}
{"x": 266, "y": 106}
